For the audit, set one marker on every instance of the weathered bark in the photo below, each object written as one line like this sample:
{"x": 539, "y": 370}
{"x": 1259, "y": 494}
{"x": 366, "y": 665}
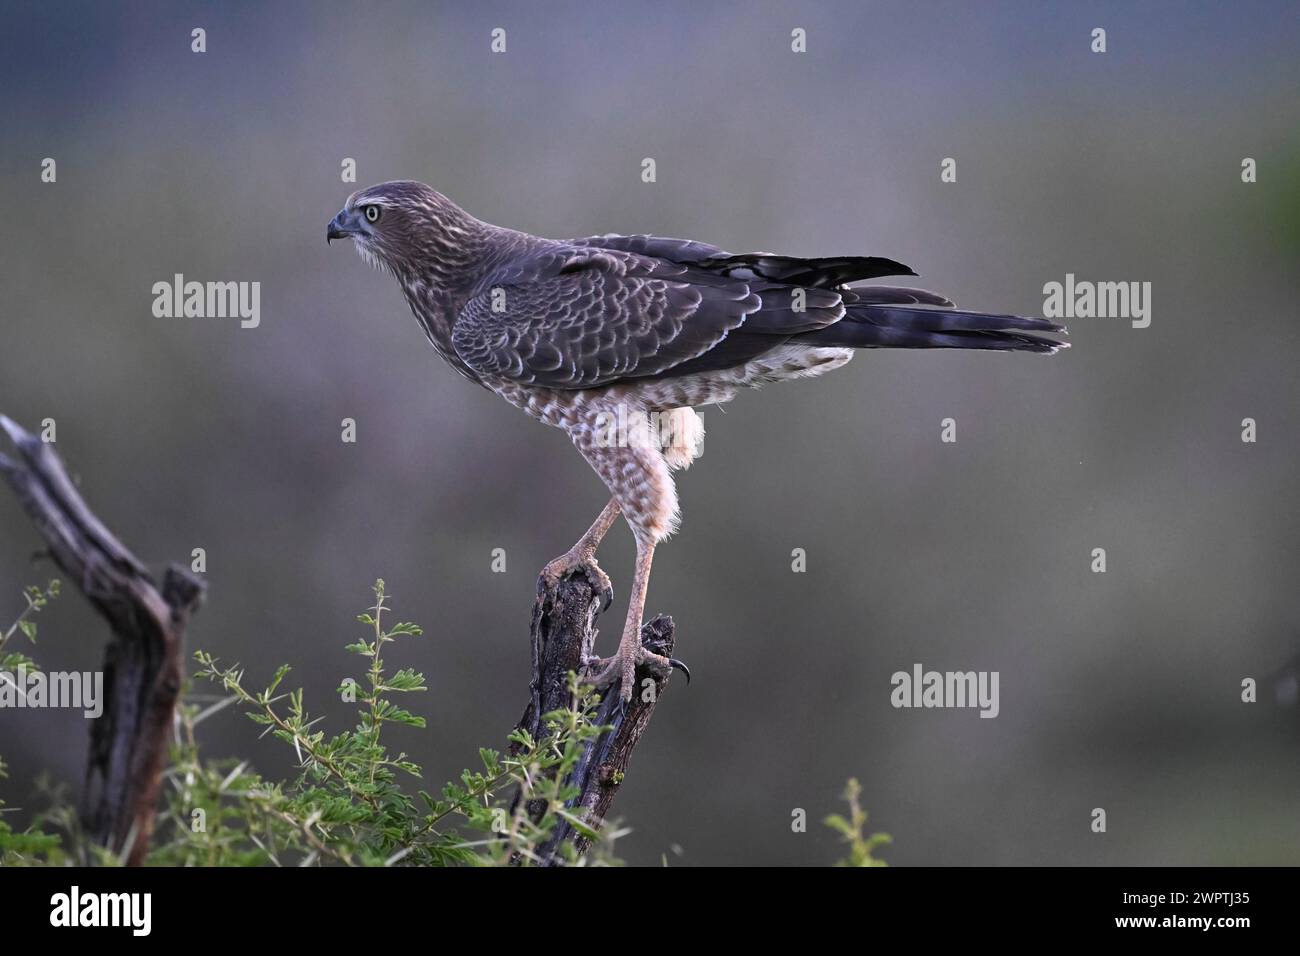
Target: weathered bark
{"x": 563, "y": 635}
{"x": 142, "y": 664}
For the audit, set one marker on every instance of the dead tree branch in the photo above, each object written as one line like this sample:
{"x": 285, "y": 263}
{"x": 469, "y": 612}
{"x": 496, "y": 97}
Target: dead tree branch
{"x": 563, "y": 636}
{"x": 142, "y": 664}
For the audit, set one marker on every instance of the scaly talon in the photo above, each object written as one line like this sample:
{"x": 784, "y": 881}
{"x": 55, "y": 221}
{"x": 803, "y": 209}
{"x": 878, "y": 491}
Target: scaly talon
{"x": 571, "y": 561}
{"x": 621, "y": 667}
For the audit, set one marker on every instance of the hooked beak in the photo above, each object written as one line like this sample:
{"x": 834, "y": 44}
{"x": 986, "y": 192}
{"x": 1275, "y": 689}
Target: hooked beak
{"x": 342, "y": 226}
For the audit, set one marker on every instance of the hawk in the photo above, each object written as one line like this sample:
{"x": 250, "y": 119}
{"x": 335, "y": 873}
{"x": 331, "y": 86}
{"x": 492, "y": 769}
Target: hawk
{"x": 618, "y": 339}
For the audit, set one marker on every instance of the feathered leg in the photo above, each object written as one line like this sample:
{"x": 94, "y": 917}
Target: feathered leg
{"x": 637, "y": 474}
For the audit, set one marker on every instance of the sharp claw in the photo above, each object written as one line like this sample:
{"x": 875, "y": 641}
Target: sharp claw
{"x": 594, "y": 577}
{"x": 675, "y": 664}
{"x": 545, "y": 584}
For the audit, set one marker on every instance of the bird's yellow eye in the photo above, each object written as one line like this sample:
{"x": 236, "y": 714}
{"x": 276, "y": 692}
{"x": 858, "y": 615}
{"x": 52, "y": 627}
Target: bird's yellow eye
{"x": 372, "y": 214}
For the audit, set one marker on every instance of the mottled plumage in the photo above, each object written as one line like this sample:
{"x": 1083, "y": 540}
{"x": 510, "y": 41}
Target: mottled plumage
{"x": 638, "y": 331}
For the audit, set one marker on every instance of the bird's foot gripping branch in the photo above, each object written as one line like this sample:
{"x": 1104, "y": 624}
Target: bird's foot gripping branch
{"x": 563, "y": 642}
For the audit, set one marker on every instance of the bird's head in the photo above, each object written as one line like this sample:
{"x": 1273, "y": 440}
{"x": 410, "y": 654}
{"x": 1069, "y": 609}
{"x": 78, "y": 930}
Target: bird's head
{"x": 402, "y": 226}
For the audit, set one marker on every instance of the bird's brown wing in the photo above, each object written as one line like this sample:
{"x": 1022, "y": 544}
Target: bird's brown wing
{"x": 584, "y": 318}
{"x": 660, "y": 247}
{"x": 817, "y": 273}
{"x": 590, "y": 312}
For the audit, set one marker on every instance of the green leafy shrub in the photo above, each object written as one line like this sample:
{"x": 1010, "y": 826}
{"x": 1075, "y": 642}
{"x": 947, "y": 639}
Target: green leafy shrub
{"x": 851, "y": 828}
{"x": 32, "y": 844}
{"x": 37, "y": 599}
{"x": 352, "y": 802}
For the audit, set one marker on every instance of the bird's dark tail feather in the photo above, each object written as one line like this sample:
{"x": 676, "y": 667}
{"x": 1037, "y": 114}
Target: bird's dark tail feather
{"x": 882, "y": 326}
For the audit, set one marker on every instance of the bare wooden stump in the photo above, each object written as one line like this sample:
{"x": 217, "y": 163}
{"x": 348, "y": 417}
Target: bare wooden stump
{"x": 142, "y": 664}
{"x": 563, "y": 636}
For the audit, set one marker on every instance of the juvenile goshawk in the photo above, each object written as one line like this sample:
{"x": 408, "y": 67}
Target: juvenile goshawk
{"x": 617, "y": 339}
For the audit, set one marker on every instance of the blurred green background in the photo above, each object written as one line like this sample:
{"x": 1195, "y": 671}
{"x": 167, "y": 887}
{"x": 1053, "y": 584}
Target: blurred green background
{"x": 1118, "y": 690}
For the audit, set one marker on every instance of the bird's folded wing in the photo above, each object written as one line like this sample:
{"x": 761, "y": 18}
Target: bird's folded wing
{"x": 660, "y": 247}
{"x": 820, "y": 273}
{"x": 584, "y": 318}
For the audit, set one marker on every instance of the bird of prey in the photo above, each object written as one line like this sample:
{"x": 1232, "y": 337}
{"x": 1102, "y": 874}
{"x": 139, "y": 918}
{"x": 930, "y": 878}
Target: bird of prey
{"x": 617, "y": 339}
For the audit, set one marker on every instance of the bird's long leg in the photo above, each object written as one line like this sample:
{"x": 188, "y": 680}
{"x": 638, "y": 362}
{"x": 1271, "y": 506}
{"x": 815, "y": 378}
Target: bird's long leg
{"x": 638, "y": 475}
{"x": 583, "y": 555}
{"x": 622, "y": 666}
